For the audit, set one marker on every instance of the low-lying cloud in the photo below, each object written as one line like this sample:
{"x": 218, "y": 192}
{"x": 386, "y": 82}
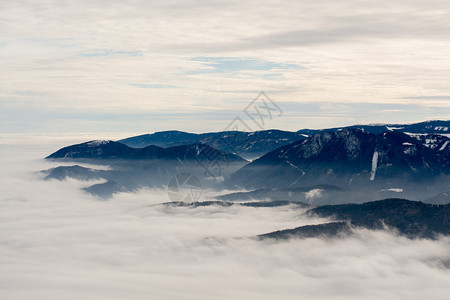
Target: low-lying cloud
{"x": 57, "y": 242}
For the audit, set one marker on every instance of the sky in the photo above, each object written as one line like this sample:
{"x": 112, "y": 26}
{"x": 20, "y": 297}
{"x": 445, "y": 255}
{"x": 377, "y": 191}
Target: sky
{"x": 118, "y": 68}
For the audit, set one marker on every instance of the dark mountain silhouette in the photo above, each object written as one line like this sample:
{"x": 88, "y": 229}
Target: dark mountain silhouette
{"x": 409, "y": 218}
{"x": 327, "y": 230}
{"x": 117, "y": 151}
{"x": 95, "y": 150}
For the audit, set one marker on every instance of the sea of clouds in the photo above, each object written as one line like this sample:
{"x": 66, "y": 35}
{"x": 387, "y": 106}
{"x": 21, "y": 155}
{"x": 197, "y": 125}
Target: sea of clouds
{"x": 58, "y": 242}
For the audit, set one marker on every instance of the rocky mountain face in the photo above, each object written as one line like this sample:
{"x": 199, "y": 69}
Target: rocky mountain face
{"x": 346, "y": 157}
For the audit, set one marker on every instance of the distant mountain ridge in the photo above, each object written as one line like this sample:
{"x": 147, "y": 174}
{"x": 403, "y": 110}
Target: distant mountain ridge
{"x": 245, "y": 144}
{"x": 430, "y": 127}
{"x": 118, "y": 151}
{"x": 254, "y": 144}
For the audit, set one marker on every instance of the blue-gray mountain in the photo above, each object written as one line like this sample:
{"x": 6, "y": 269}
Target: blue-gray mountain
{"x": 427, "y": 127}
{"x": 246, "y": 144}
{"x": 131, "y": 168}
{"x": 251, "y": 145}
{"x": 355, "y": 162}
{"x": 115, "y": 180}
{"x": 117, "y": 151}
{"x": 346, "y": 157}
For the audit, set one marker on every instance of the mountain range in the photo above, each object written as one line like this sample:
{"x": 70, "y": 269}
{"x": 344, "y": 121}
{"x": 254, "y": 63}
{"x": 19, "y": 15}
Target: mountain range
{"x": 132, "y": 168}
{"x": 358, "y": 163}
{"x": 255, "y": 144}
{"x": 346, "y": 157}
{"x": 338, "y": 174}
{"x": 110, "y": 150}
{"x": 246, "y": 144}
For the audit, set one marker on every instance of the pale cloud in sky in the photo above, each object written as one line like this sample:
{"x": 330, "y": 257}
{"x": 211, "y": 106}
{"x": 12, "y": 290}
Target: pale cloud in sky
{"x": 155, "y": 65}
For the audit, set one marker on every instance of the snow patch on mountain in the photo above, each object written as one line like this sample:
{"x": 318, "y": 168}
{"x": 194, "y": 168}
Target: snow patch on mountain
{"x": 397, "y": 190}
{"x": 394, "y": 128}
{"x": 292, "y": 165}
{"x": 97, "y": 143}
{"x": 410, "y": 150}
{"x": 374, "y": 165}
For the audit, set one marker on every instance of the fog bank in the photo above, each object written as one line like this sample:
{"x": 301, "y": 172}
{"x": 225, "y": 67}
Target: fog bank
{"x": 58, "y": 242}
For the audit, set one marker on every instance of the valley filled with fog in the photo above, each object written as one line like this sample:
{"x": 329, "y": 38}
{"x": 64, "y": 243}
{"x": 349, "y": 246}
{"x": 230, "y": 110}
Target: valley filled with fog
{"x": 60, "y": 242}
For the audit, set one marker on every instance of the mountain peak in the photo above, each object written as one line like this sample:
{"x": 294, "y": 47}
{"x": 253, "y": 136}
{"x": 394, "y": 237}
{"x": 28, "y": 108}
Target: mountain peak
{"x": 103, "y": 149}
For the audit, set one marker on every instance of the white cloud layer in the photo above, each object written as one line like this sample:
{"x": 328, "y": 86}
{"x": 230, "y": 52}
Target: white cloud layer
{"x": 114, "y": 64}
{"x": 59, "y": 243}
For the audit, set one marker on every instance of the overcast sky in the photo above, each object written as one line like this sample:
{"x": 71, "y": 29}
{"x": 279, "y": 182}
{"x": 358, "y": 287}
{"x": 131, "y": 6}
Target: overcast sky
{"x": 144, "y": 66}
